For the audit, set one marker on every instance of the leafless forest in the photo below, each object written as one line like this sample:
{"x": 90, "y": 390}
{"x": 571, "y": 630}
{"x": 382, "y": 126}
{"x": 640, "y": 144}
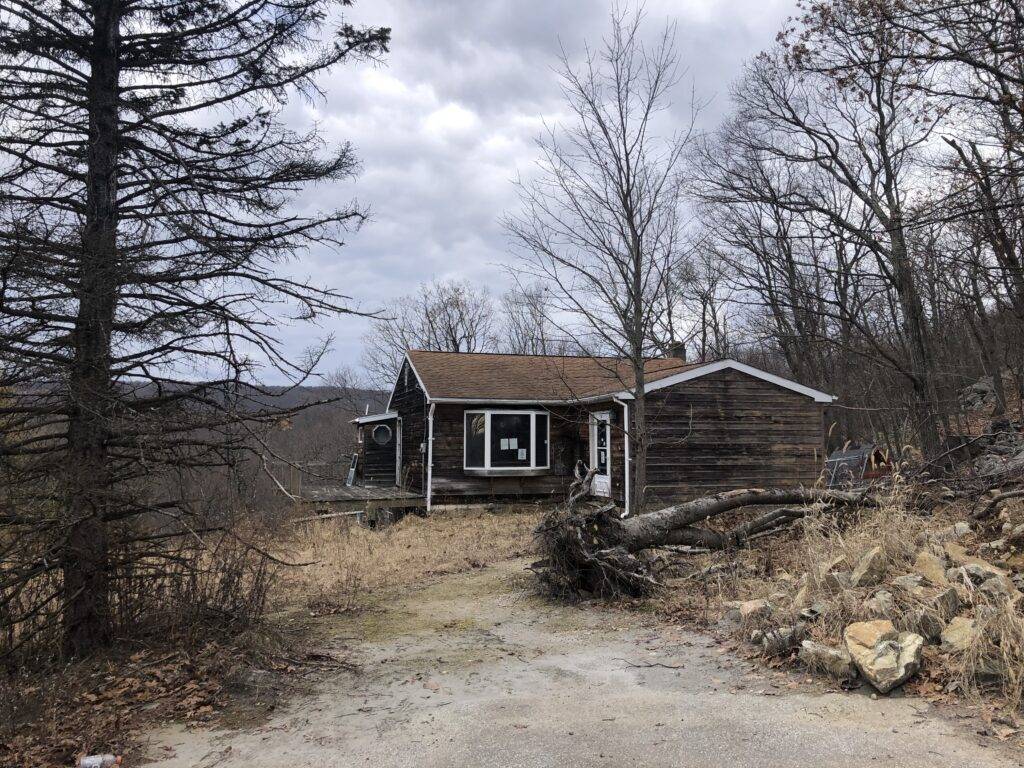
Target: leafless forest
{"x": 856, "y": 224}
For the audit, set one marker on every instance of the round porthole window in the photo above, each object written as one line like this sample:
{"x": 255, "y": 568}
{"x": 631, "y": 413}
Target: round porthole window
{"x": 382, "y": 434}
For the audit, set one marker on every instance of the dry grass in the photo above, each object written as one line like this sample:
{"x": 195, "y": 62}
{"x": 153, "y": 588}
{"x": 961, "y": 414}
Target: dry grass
{"x": 49, "y": 716}
{"x": 994, "y": 662}
{"x": 778, "y": 564}
{"x": 181, "y": 621}
{"x": 777, "y": 568}
{"x": 351, "y": 561}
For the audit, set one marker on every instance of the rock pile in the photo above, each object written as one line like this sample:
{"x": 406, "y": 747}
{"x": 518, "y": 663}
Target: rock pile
{"x": 936, "y": 603}
{"x": 1000, "y": 453}
{"x": 978, "y": 395}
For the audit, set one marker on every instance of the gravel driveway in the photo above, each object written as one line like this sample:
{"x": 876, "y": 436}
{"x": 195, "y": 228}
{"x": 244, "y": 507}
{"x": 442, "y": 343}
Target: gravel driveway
{"x": 473, "y": 670}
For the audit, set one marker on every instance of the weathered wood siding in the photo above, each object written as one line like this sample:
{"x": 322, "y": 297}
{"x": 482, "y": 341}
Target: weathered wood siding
{"x": 410, "y": 402}
{"x": 451, "y": 480}
{"x": 379, "y": 460}
{"x": 728, "y": 430}
{"x": 723, "y": 431}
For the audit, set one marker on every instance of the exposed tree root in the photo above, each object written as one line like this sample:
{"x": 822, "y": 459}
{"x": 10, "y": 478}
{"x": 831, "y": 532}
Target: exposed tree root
{"x": 591, "y": 551}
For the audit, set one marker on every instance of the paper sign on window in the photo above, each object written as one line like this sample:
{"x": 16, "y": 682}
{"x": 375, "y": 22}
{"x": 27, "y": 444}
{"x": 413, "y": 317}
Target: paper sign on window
{"x": 522, "y": 454}
{"x": 504, "y": 444}
{"x": 513, "y": 443}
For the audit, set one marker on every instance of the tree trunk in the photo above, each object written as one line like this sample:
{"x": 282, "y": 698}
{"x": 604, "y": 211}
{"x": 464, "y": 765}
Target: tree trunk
{"x": 672, "y": 525}
{"x": 637, "y": 434}
{"x": 85, "y": 557}
{"x": 921, "y": 359}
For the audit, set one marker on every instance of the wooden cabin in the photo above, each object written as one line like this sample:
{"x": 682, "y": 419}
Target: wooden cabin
{"x": 464, "y": 426}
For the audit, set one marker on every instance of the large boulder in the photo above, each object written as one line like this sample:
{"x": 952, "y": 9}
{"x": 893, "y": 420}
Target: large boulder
{"x": 999, "y": 588}
{"x": 886, "y": 658}
{"x": 959, "y": 634}
{"x": 946, "y": 602}
{"x": 823, "y": 658}
{"x": 961, "y": 557}
{"x": 930, "y": 608}
{"x": 871, "y": 568}
{"x": 926, "y": 622}
{"x": 979, "y": 394}
{"x": 974, "y": 574}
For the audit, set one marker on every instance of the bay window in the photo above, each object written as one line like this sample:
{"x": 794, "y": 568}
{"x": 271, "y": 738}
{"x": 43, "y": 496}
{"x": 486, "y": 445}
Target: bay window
{"x": 506, "y": 441}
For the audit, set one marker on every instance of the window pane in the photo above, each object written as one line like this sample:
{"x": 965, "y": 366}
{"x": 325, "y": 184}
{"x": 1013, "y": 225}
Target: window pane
{"x": 475, "y": 440}
{"x": 602, "y": 447}
{"x": 541, "y": 441}
{"x": 510, "y": 440}
{"x": 381, "y": 434}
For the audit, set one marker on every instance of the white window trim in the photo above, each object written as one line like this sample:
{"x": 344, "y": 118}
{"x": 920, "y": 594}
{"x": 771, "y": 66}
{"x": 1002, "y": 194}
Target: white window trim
{"x": 487, "y": 412}
{"x": 602, "y": 420}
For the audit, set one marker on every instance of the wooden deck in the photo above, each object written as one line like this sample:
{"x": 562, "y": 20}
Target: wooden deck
{"x": 345, "y": 498}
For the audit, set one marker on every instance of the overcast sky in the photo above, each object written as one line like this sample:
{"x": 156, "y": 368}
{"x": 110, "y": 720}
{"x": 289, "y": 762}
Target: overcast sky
{"x": 450, "y": 119}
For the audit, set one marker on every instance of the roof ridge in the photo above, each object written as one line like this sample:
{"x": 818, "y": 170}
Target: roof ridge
{"x": 553, "y": 357}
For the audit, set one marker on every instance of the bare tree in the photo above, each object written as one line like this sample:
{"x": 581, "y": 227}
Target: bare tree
{"x": 526, "y": 324}
{"x": 145, "y": 182}
{"x": 840, "y": 106}
{"x": 698, "y": 305}
{"x": 443, "y": 316}
{"x": 974, "y": 51}
{"x": 601, "y": 226}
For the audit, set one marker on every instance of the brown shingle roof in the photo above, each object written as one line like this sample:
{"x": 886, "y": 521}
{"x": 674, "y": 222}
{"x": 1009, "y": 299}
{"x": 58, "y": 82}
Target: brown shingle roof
{"x": 485, "y": 376}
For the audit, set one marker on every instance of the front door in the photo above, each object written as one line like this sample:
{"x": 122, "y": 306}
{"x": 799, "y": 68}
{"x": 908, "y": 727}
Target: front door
{"x": 600, "y": 453}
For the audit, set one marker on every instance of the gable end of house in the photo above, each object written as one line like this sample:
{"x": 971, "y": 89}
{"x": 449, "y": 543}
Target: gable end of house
{"x": 734, "y": 365}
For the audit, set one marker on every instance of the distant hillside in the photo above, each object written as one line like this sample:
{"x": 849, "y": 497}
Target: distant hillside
{"x": 351, "y": 402}
{"x": 322, "y": 432}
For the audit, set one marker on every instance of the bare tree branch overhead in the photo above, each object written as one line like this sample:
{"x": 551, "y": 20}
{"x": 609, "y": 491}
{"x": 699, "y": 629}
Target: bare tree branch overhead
{"x": 146, "y": 182}
{"x": 441, "y": 316}
{"x": 602, "y": 225}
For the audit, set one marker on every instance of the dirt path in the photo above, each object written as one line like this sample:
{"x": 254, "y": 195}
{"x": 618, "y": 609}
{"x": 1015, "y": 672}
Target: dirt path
{"x": 474, "y": 671}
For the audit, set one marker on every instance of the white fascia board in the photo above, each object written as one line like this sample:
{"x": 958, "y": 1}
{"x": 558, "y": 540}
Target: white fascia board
{"x": 735, "y": 365}
{"x": 415, "y": 373}
{"x": 430, "y": 456}
{"x": 374, "y": 417}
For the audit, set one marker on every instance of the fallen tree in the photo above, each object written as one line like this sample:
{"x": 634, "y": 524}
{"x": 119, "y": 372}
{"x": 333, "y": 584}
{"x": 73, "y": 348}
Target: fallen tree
{"x": 989, "y": 507}
{"x": 591, "y": 550}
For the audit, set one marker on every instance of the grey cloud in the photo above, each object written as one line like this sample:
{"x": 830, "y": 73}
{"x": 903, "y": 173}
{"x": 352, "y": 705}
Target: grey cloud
{"x": 451, "y": 119}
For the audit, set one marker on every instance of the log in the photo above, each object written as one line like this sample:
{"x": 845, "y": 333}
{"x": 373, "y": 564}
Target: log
{"x": 592, "y": 551}
{"x": 986, "y": 509}
{"x": 666, "y": 526}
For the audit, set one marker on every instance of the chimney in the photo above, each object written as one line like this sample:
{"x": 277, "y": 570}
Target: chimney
{"x": 676, "y": 349}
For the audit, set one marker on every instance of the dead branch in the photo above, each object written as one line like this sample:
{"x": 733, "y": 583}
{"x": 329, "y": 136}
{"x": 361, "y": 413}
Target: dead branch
{"x": 580, "y": 487}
